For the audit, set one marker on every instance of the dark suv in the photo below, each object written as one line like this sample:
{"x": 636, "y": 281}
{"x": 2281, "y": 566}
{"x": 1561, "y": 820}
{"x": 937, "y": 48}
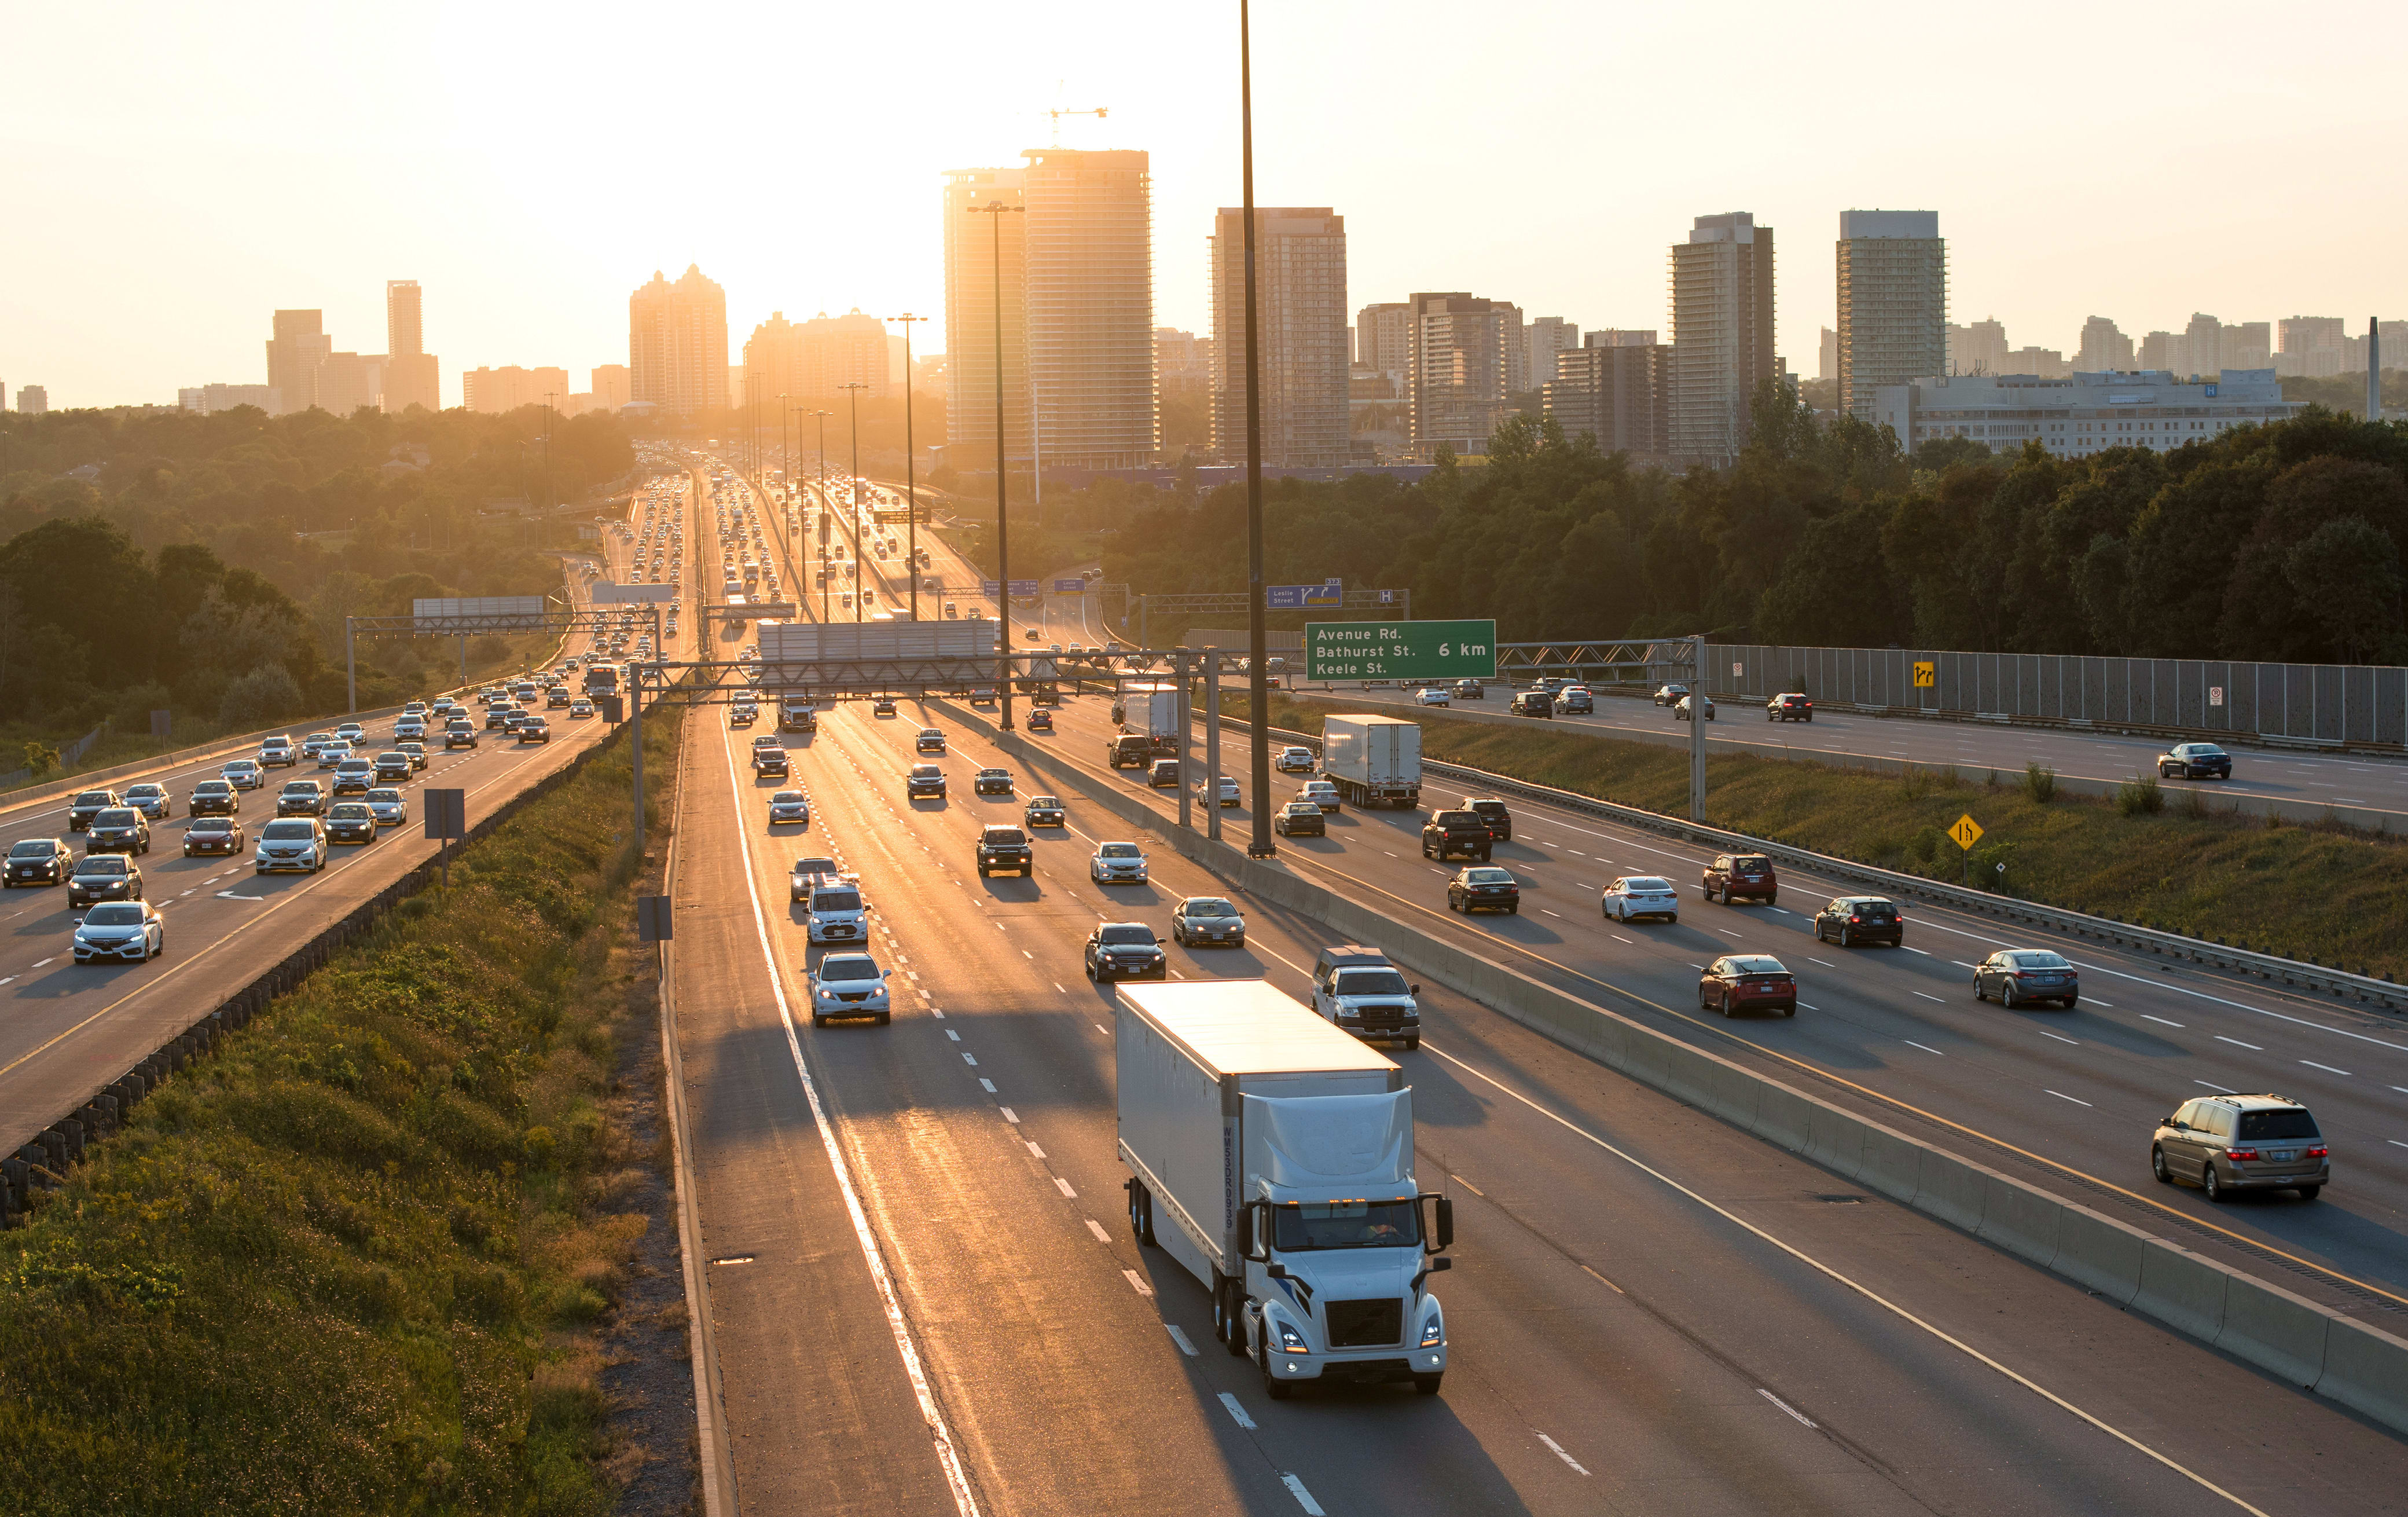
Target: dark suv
{"x": 1129, "y": 752}
{"x": 1449, "y": 833}
{"x": 1851, "y": 920}
{"x": 1471, "y": 690}
{"x": 117, "y": 829}
{"x": 1003, "y": 849}
{"x": 2224, "y": 1143}
{"x": 1738, "y": 875}
{"x": 1493, "y": 813}
{"x": 1789, "y": 708}
{"x": 1533, "y": 703}
{"x": 88, "y": 805}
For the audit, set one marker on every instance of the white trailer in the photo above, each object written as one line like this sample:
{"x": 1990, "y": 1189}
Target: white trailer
{"x": 1373, "y": 760}
{"x": 1272, "y": 1156}
{"x": 1153, "y": 709}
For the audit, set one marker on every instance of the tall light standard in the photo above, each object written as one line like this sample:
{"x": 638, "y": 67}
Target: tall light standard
{"x": 853, "y": 503}
{"x": 997, "y": 209}
{"x": 826, "y": 511}
{"x": 1257, "y": 655}
{"x": 911, "y": 478}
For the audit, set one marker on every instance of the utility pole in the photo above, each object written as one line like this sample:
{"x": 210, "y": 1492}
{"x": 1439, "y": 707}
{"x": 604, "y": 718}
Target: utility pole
{"x": 1698, "y": 700}
{"x": 911, "y": 465}
{"x": 1258, "y": 704}
{"x": 853, "y": 504}
{"x": 997, "y": 209}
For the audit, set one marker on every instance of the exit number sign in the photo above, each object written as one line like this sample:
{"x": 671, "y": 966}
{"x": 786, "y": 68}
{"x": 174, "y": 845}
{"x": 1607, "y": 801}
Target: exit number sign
{"x": 1461, "y": 650}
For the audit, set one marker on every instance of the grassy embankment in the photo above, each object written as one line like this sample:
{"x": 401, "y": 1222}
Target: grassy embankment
{"x": 355, "y": 1263}
{"x": 2320, "y": 892}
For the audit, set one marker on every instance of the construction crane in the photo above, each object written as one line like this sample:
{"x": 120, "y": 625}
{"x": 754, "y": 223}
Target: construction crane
{"x": 1099, "y": 113}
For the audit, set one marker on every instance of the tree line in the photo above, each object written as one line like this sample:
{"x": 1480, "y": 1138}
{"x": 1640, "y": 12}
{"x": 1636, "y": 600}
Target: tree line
{"x": 2281, "y": 542}
{"x": 206, "y": 564}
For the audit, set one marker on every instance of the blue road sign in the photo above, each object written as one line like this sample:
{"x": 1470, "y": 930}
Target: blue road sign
{"x": 1069, "y": 587}
{"x": 1330, "y": 592}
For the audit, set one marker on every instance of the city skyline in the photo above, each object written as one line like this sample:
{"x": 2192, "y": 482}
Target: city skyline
{"x": 515, "y": 273}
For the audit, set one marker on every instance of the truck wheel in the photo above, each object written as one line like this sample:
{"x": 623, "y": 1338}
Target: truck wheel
{"x": 1428, "y": 1385}
{"x": 1142, "y": 1214}
{"x": 1273, "y": 1387}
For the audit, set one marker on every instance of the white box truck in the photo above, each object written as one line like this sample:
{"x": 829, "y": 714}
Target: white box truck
{"x": 1272, "y": 1156}
{"x": 1373, "y": 760}
{"x": 1151, "y": 709}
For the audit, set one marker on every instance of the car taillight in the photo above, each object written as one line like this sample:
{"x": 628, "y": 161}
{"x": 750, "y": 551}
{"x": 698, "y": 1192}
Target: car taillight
{"x": 2319, "y": 1152}
{"x": 1856, "y": 918}
{"x": 2238, "y": 1155}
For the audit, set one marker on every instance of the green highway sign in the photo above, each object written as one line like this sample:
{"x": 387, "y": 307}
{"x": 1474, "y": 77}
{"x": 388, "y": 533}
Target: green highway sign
{"x": 1399, "y": 650}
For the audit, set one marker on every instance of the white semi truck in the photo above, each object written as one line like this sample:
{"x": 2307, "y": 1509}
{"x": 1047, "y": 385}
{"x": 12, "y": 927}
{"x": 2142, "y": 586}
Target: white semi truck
{"x": 1154, "y": 710}
{"x": 1272, "y": 1156}
{"x": 1373, "y": 760}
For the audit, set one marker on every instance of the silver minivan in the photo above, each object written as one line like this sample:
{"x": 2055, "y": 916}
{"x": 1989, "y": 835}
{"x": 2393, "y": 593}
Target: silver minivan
{"x": 2224, "y": 1143}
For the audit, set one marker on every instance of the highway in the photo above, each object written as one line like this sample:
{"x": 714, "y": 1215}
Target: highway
{"x": 67, "y": 1030}
{"x": 1899, "y": 1035}
{"x": 927, "y": 1297}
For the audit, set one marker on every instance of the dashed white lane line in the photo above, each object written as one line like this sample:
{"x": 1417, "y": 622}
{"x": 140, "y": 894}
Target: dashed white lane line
{"x": 950, "y": 1033}
{"x": 1303, "y": 1497}
{"x": 1138, "y": 1282}
{"x": 2159, "y": 1020}
{"x": 1009, "y": 1115}
{"x": 1924, "y": 1047}
{"x": 1097, "y": 1228}
{"x": 40, "y": 963}
{"x": 990, "y": 1086}
{"x": 971, "y": 1059}
{"x": 2059, "y": 1037}
{"x": 1064, "y": 1186}
{"x": 2326, "y": 1068}
{"x": 1237, "y": 1411}
{"x": 1928, "y": 996}
{"x": 2238, "y": 1043}
{"x": 1178, "y": 1336}
{"x": 1057, "y": 989}
{"x": 1036, "y": 1152}
{"x": 2062, "y": 1096}
{"x": 1927, "y": 953}
{"x": 1576, "y": 1464}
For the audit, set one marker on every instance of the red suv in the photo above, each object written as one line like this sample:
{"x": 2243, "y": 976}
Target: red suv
{"x": 1737, "y": 875}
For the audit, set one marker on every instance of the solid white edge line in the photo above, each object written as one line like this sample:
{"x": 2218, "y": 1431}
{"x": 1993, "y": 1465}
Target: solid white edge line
{"x": 1866, "y": 1291}
{"x": 956, "y": 1477}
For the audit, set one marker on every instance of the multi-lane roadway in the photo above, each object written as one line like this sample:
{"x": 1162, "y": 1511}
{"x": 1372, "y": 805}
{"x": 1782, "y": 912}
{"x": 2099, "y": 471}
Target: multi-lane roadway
{"x": 927, "y": 1297}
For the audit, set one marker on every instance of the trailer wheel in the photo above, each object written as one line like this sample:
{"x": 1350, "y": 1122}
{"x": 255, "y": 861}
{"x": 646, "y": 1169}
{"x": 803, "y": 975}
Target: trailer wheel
{"x": 1142, "y": 1214}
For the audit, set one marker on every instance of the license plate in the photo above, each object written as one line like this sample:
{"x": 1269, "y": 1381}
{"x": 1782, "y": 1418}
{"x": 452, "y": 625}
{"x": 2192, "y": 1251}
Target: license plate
{"x": 2283, "y": 1156}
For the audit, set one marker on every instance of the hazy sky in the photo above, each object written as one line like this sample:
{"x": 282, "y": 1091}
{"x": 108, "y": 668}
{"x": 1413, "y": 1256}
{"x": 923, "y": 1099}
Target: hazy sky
{"x": 176, "y": 172}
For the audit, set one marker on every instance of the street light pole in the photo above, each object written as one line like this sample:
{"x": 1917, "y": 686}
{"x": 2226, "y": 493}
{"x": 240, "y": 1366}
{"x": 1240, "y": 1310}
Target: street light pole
{"x": 996, "y": 209}
{"x": 910, "y": 475}
{"x": 1257, "y": 653}
{"x": 852, "y": 502}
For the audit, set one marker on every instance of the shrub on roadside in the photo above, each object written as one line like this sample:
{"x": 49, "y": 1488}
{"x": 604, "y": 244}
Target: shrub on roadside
{"x": 2141, "y": 797}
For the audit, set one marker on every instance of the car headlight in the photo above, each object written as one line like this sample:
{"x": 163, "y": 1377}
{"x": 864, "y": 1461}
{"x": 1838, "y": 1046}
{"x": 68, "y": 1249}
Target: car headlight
{"x": 1291, "y": 1341}
{"x": 1434, "y": 1332}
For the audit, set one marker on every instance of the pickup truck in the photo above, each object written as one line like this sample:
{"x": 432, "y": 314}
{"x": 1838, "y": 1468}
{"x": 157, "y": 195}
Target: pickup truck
{"x": 1450, "y": 834}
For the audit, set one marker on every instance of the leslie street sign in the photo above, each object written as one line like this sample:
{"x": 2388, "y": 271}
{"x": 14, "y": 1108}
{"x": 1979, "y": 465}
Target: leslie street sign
{"x": 1462, "y": 650}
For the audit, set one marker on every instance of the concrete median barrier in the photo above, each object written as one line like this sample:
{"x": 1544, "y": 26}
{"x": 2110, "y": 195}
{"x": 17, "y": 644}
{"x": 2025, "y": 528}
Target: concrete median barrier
{"x": 2366, "y": 1369}
{"x": 2274, "y": 1330}
{"x": 2303, "y": 1343}
{"x": 2182, "y": 1289}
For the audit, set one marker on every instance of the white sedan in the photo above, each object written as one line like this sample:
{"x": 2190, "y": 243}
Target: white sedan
{"x": 1430, "y": 694}
{"x": 1117, "y": 863}
{"x": 1640, "y": 895}
{"x": 1228, "y": 791}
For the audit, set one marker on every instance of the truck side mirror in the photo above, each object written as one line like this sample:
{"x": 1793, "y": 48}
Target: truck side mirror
{"x": 1413, "y": 989}
{"x": 1445, "y": 1221}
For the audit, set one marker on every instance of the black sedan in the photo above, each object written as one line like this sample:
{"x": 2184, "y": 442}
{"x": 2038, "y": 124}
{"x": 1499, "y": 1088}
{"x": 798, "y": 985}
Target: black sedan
{"x": 394, "y": 768}
{"x": 37, "y": 861}
{"x": 991, "y": 782}
{"x": 212, "y": 834}
{"x": 300, "y": 798}
{"x": 2023, "y": 976}
{"x": 89, "y": 805}
{"x": 350, "y": 821}
{"x": 214, "y": 798}
{"x": 108, "y": 877}
{"x": 1484, "y": 888}
{"x": 2194, "y": 761}
{"x": 1044, "y": 811}
{"x": 1300, "y": 818}
{"x": 117, "y": 829}
{"x": 1126, "y": 950}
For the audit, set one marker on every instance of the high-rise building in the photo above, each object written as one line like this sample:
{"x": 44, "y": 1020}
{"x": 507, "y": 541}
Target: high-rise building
{"x": 2105, "y": 349}
{"x": 2311, "y": 346}
{"x": 1465, "y": 356}
{"x": 773, "y": 357}
{"x": 1893, "y": 272}
{"x": 2246, "y": 345}
{"x": 1827, "y": 363}
{"x": 299, "y": 345}
{"x": 494, "y": 391}
{"x": 33, "y": 400}
{"x": 1548, "y": 336}
{"x": 2040, "y": 363}
{"x": 986, "y": 255}
{"x": 1721, "y": 334}
{"x": 676, "y": 343}
{"x": 348, "y": 381}
{"x": 833, "y": 351}
{"x": 412, "y": 376}
{"x": 1975, "y": 348}
{"x": 1300, "y": 312}
{"x": 1614, "y": 392}
{"x": 1090, "y": 292}
{"x": 611, "y": 386}
{"x": 1383, "y": 340}
{"x": 1181, "y": 358}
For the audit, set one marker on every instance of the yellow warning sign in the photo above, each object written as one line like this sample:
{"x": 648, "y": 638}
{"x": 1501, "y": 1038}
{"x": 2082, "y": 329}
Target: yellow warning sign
{"x": 1967, "y": 832}
{"x": 1923, "y": 675}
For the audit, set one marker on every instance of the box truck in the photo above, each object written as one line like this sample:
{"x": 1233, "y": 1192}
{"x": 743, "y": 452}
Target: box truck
{"x": 1151, "y": 709}
{"x": 1373, "y": 760}
{"x": 1272, "y": 1156}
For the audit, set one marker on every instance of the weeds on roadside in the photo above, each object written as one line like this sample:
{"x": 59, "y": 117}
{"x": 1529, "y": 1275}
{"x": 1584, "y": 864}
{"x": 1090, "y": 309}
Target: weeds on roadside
{"x": 2141, "y": 797}
{"x": 2039, "y": 782}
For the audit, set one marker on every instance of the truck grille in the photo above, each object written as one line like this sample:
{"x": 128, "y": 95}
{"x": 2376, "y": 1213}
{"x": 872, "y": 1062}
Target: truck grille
{"x": 1364, "y": 1324}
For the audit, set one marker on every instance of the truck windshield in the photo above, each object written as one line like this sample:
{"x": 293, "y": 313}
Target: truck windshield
{"x": 1346, "y": 1224}
{"x": 1372, "y": 982}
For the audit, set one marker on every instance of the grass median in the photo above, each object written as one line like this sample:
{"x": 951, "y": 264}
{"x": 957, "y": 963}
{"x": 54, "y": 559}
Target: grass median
{"x": 357, "y": 1262}
{"x": 2321, "y": 893}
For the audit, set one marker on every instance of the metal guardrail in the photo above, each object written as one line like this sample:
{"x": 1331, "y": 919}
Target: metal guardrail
{"x": 2361, "y": 989}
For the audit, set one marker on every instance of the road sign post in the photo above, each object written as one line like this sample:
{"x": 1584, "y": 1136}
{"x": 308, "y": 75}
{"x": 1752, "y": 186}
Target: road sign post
{"x": 1402, "y": 650}
{"x": 447, "y": 821}
{"x": 1966, "y": 833}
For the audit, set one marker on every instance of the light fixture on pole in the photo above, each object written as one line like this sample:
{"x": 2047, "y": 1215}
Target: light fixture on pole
{"x": 997, "y": 209}
{"x": 910, "y": 475}
{"x": 852, "y": 505}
